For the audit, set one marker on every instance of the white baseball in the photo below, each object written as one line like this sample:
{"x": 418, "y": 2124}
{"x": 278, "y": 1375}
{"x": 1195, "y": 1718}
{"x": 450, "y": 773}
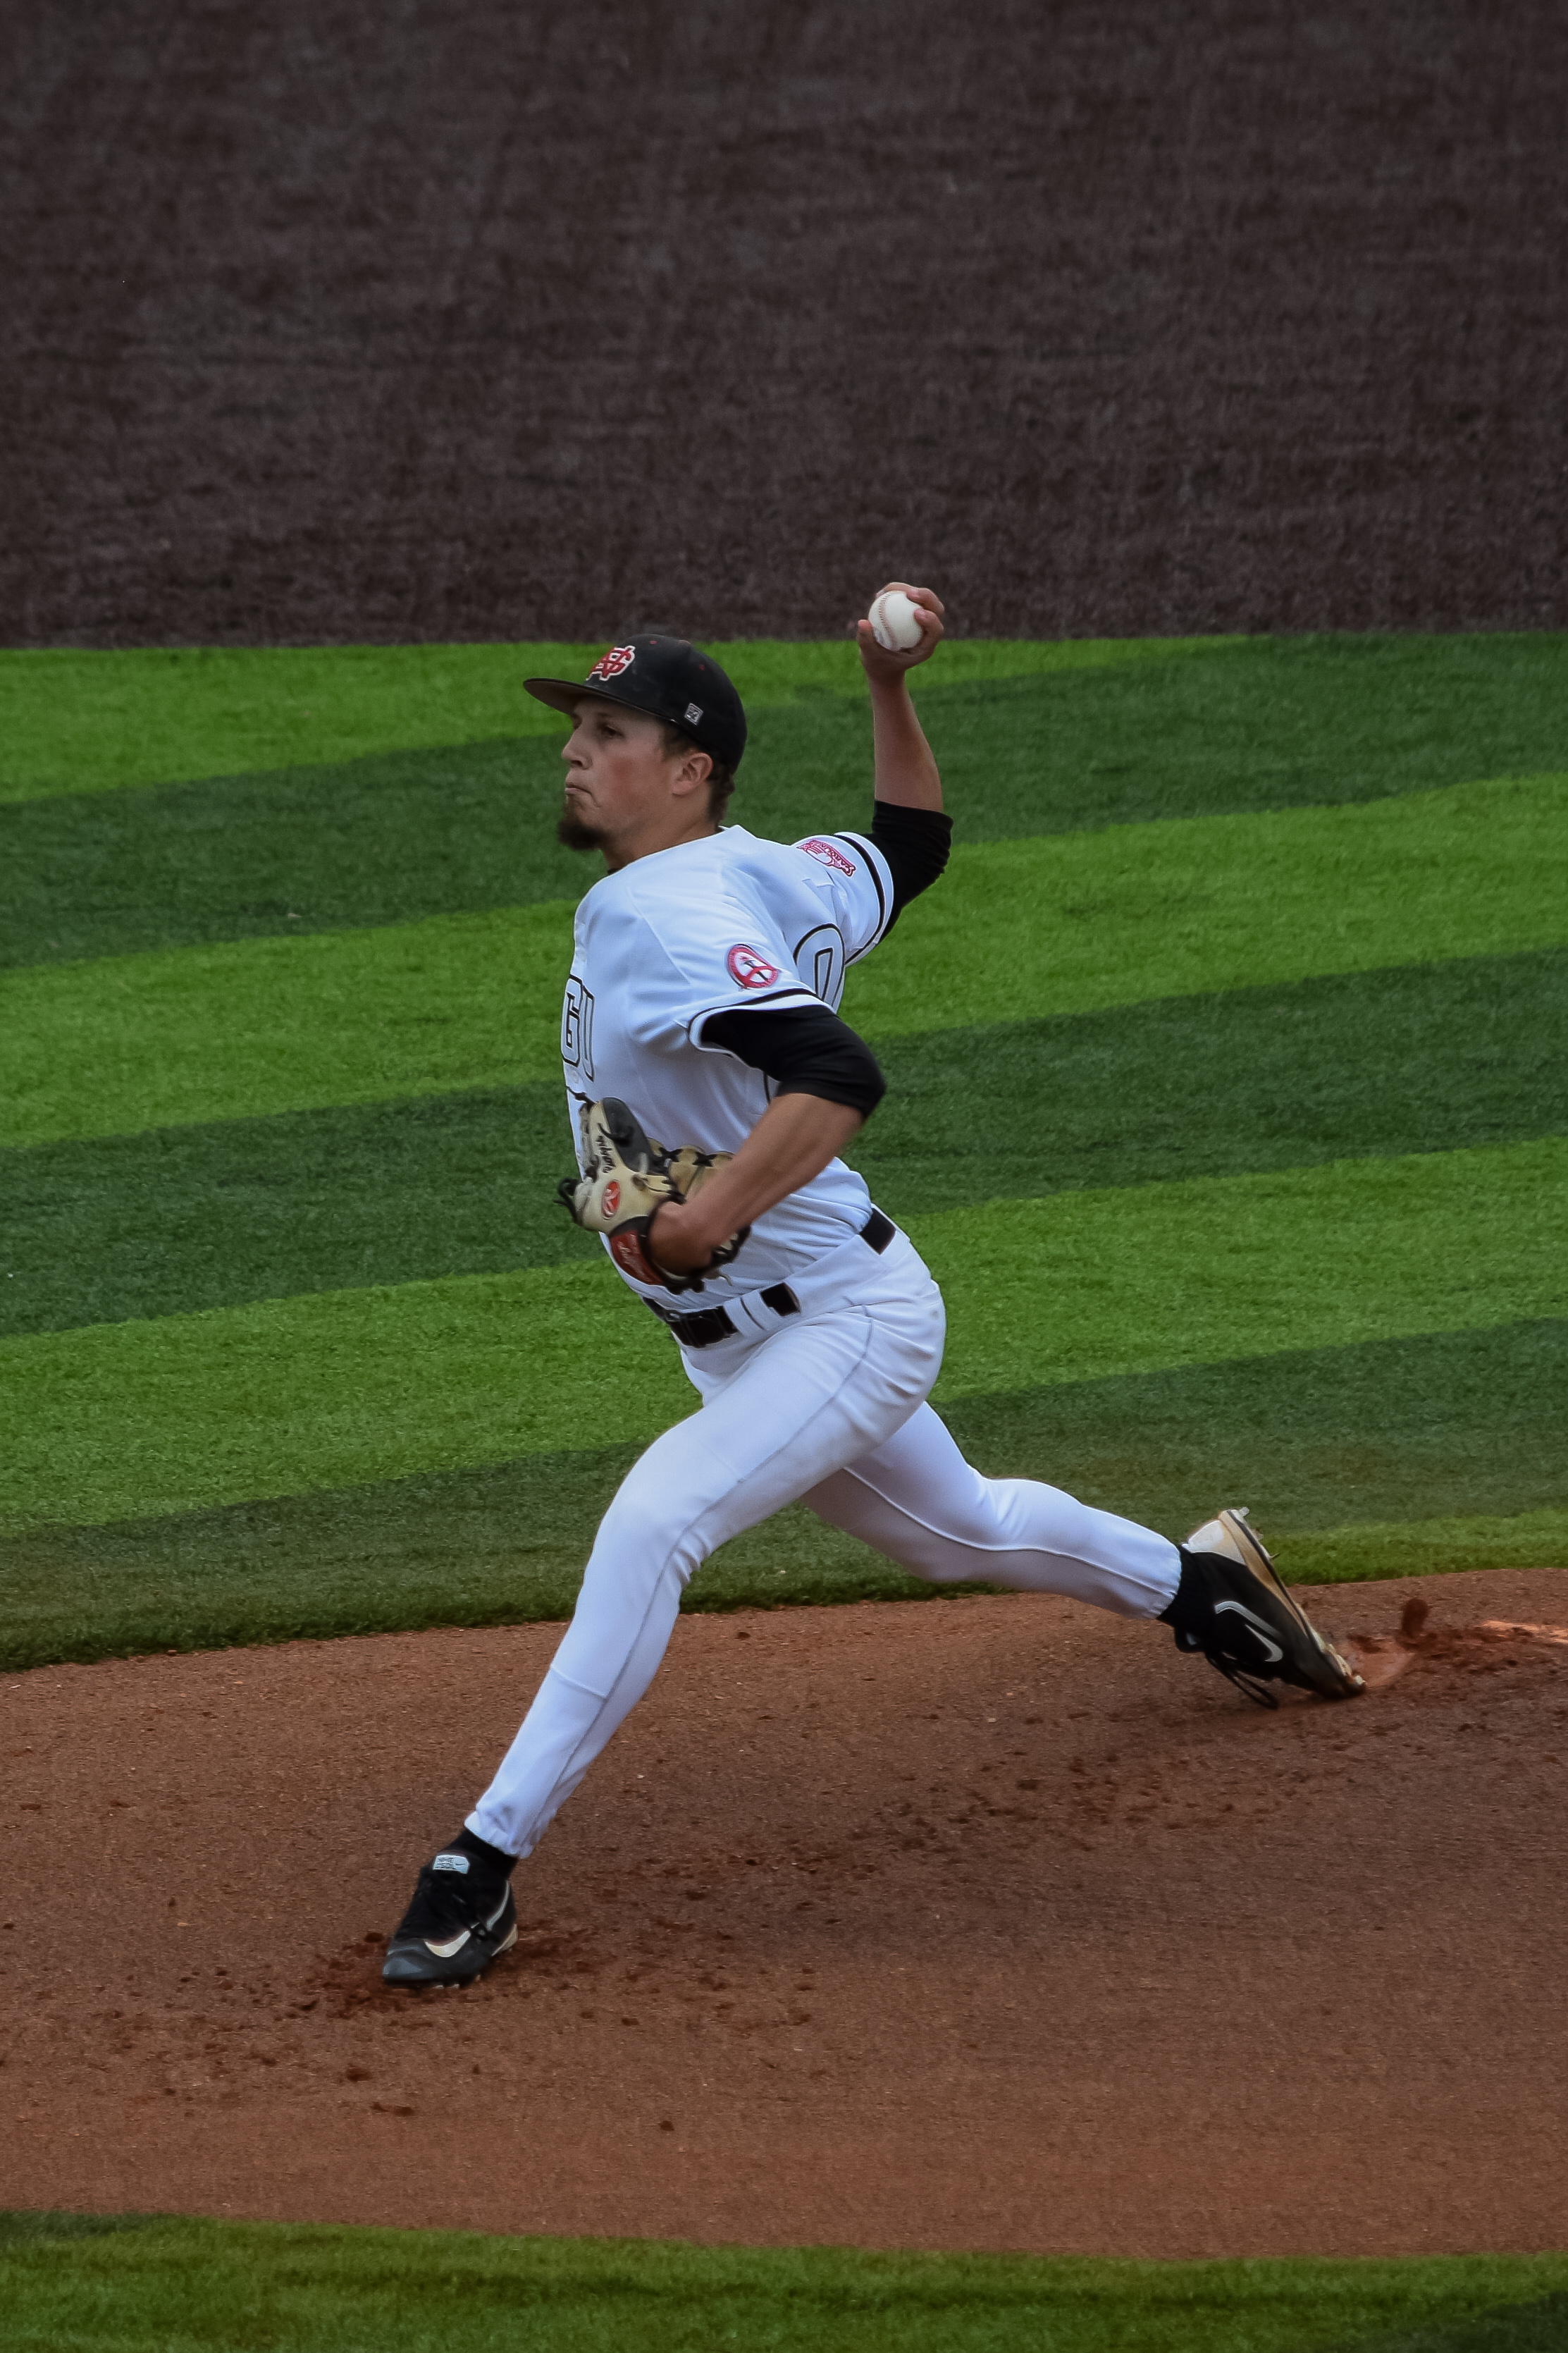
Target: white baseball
{"x": 895, "y": 621}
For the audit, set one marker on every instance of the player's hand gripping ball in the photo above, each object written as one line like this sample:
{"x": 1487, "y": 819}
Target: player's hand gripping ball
{"x": 625, "y": 1178}
{"x": 895, "y": 621}
{"x": 903, "y": 628}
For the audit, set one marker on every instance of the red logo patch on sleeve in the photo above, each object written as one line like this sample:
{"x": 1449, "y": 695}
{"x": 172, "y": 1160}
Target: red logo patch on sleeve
{"x": 611, "y": 663}
{"x": 750, "y": 969}
{"x": 829, "y": 854}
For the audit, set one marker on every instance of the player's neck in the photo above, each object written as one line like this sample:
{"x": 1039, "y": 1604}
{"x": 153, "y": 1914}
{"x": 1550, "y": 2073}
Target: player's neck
{"x": 648, "y": 840}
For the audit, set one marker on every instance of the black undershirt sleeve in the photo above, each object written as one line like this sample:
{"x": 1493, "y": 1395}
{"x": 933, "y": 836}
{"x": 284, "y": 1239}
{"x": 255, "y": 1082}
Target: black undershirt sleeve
{"x": 805, "y": 1050}
{"x": 915, "y": 842}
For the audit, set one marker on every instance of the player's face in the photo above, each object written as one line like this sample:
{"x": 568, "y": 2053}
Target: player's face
{"x": 621, "y": 781}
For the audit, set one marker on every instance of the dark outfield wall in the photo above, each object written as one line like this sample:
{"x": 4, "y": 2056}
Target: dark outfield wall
{"x": 431, "y": 319}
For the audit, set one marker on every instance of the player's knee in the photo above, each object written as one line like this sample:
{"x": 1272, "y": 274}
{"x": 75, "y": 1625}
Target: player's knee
{"x": 646, "y": 1535}
{"x": 985, "y": 1518}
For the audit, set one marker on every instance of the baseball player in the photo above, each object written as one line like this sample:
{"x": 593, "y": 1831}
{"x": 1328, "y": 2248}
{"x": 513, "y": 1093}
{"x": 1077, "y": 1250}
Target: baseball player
{"x": 712, "y": 1088}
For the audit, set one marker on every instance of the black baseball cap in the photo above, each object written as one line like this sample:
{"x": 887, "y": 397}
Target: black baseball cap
{"x": 669, "y": 680}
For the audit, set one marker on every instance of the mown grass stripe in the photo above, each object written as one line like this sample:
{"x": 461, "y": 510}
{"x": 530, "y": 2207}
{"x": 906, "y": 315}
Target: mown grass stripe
{"x": 1281, "y": 722}
{"x": 344, "y": 1387}
{"x": 150, "y": 2283}
{"x": 1345, "y": 1454}
{"x": 1413, "y": 1057}
{"x": 1450, "y": 1424}
{"x": 1017, "y": 930}
{"x": 76, "y": 721}
{"x": 1420, "y": 1057}
{"x": 401, "y": 836}
{"x": 473, "y": 1547}
{"x": 388, "y": 840}
{"x": 1085, "y": 1285}
{"x": 396, "y": 836}
{"x": 492, "y": 1546}
{"x": 1026, "y": 929}
{"x": 190, "y": 1034}
{"x": 92, "y": 722}
{"x": 1436, "y": 1547}
{"x": 193, "y": 1584}
{"x": 334, "y": 1388}
{"x": 182, "y": 1219}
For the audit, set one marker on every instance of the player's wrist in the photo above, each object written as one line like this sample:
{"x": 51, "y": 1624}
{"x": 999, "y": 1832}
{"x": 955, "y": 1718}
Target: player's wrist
{"x": 680, "y": 1238}
{"x": 885, "y": 681}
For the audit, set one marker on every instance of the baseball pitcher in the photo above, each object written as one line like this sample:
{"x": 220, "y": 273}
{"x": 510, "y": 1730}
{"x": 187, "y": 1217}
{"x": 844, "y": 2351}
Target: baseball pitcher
{"x": 712, "y": 1088}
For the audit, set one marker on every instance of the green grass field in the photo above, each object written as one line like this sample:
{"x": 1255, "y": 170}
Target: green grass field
{"x": 151, "y": 2284}
{"x": 1225, "y": 1100}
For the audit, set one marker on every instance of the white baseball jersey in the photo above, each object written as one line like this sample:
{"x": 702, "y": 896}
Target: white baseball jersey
{"x": 724, "y": 924}
{"x": 825, "y": 1406}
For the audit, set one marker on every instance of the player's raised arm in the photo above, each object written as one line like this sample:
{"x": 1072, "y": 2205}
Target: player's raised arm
{"x": 908, "y": 824}
{"x": 829, "y": 1081}
{"x": 902, "y": 630}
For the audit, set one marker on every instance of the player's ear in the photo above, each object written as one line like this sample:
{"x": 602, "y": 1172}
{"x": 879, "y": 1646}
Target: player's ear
{"x": 692, "y": 775}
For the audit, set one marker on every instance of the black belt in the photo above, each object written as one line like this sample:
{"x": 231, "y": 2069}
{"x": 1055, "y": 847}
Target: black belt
{"x": 711, "y": 1324}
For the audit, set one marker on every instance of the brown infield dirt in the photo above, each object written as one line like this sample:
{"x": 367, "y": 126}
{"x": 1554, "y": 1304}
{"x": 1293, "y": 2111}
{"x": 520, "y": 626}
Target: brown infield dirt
{"x": 981, "y": 1923}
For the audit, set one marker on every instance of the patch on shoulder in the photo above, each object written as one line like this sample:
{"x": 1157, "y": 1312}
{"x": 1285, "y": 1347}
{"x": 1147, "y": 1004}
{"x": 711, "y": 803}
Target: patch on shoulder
{"x": 748, "y": 968}
{"x": 830, "y": 854}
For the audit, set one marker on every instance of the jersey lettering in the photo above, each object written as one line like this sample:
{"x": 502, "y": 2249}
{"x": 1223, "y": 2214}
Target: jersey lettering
{"x": 819, "y": 960}
{"x": 577, "y": 1029}
{"x": 829, "y": 854}
{"x": 748, "y": 969}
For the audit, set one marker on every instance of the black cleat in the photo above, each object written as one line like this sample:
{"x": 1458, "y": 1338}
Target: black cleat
{"x": 461, "y": 1918}
{"x": 1231, "y": 1606}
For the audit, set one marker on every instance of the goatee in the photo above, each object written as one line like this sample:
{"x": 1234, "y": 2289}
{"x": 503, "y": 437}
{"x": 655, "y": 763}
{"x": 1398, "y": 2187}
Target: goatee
{"x": 573, "y": 834}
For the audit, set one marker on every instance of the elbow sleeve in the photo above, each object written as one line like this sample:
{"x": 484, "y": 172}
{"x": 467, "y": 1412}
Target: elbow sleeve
{"x": 805, "y": 1050}
{"x": 916, "y": 843}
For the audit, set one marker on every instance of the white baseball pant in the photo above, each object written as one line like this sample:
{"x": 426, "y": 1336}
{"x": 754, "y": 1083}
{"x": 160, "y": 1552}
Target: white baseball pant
{"x": 828, "y": 1406}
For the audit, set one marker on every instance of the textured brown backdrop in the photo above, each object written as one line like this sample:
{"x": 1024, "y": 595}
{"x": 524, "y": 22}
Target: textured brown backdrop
{"x": 431, "y": 319}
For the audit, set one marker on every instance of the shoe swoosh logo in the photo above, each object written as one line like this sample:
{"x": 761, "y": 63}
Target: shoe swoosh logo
{"x": 453, "y": 1945}
{"x": 1258, "y": 1628}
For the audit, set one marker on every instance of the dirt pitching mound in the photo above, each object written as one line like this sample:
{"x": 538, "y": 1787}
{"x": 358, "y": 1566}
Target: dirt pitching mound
{"x": 981, "y": 1923}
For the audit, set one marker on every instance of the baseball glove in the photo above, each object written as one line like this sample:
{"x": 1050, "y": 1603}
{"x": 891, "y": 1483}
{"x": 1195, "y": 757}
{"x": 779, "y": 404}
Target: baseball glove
{"x": 625, "y": 1178}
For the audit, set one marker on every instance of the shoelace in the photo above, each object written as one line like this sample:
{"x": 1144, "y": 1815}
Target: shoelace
{"x": 1248, "y": 1684}
{"x": 1243, "y": 1682}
